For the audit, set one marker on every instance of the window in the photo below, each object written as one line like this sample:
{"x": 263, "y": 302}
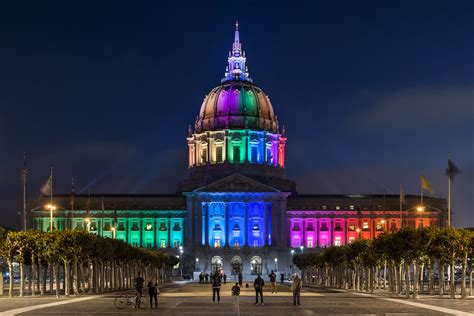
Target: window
{"x": 310, "y": 227}
{"x": 134, "y": 226}
{"x": 148, "y": 227}
{"x": 217, "y": 243}
{"x": 324, "y": 227}
{"x": 393, "y": 226}
{"x": 176, "y": 243}
{"x": 337, "y": 227}
{"x": 236, "y": 243}
{"x": 176, "y": 227}
{"x": 219, "y": 154}
{"x": 296, "y": 242}
{"x": 351, "y": 239}
{"x": 365, "y": 226}
{"x": 163, "y": 227}
{"x": 324, "y": 241}
{"x": 255, "y": 243}
{"x": 337, "y": 241}
{"x": 269, "y": 155}
{"x": 379, "y": 226}
{"x": 309, "y": 242}
{"x": 204, "y": 155}
{"x": 121, "y": 226}
{"x": 149, "y": 243}
{"x": 135, "y": 242}
{"x": 236, "y": 153}
{"x": 296, "y": 226}
{"x": 351, "y": 227}
{"x": 254, "y": 156}
{"x": 162, "y": 243}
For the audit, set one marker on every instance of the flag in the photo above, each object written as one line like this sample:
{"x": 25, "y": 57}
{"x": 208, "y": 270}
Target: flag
{"x": 426, "y": 185}
{"x": 402, "y": 195}
{"x": 47, "y": 187}
{"x": 452, "y": 170}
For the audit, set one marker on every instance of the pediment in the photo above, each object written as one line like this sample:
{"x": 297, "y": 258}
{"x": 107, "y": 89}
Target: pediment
{"x": 236, "y": 183}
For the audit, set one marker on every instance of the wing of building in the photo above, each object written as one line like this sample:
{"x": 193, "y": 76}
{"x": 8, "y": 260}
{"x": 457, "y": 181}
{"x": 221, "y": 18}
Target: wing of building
{"x": 236, "y": 210}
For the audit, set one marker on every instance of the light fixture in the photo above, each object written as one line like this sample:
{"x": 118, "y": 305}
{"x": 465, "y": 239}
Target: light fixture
{"x": 276, "y": 260}
{"x": 420, "y": 208}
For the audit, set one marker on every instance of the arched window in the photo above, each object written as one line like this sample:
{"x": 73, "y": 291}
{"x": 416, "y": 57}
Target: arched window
{"x": 236, "y": 264}
{"x": 256, "y": 265}
{"x": 216, "y": 264}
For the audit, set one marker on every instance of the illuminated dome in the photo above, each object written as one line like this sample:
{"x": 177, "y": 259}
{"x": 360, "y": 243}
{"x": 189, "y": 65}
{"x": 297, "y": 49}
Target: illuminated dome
{"x": 236, "y": 104}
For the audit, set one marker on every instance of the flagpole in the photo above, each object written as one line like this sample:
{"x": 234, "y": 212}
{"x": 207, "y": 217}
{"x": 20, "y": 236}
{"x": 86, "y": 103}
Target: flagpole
{"x": 449, "y": 191}
{"x": 72, "y": 203}
{"x": 102, "y": 219}
{"x": 51, "y": 202}
{"x": 24, "y": 173}
{"x": 421, "y": 195}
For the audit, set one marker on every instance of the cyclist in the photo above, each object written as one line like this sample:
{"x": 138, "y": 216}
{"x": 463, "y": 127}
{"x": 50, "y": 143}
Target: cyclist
{"x": 139, "y": 287}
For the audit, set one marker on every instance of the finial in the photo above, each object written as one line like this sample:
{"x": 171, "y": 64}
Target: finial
{"x": 236, "y": 25}
{"x": 190, "y": 131}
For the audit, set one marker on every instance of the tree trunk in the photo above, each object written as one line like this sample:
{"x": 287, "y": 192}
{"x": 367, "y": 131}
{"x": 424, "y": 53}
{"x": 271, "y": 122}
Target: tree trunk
{"x": 463, "y": 277}
{"x": 67, "y": 276}
{"x": 75, "y": 276}
{"x": 431, "y": 277}
{"x": 416, "y": 277}
{"x": 441, "y": 278}
{"x": 22, "y": 279}
{"x": 41, "y": 276}
{"x": 10, "y": 272}
{"x": 56, "y": 277}
{"x": 2, "y": 285}
{"x": 33, "y": 274}
{"x": 452, "y": 287}
{"x": 407, "y": 279}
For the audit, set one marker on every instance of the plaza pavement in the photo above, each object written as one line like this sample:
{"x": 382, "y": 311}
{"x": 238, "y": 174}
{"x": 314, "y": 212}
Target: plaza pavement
{"x": 196, "y": 299}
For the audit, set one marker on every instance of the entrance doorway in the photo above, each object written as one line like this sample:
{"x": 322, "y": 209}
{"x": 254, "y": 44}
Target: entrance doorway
{"x": 216, "y": 264}
{"x": 256, "y": 265}
{"x": 236, "y": 263}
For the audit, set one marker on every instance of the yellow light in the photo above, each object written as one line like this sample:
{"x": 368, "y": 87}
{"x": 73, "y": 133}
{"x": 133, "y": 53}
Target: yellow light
{"x": 113, "y": 228}
{"x": 50, "y": 207}
{"x": 358, "y": 230}
{"x": 87, "y": 220}
{"x": 382, "y": 221}
{"x": 420, "y": 208}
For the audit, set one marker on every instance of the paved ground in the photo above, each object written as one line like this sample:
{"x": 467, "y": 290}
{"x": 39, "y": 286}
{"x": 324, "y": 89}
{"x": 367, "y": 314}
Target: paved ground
{"x": 196, "y": 299}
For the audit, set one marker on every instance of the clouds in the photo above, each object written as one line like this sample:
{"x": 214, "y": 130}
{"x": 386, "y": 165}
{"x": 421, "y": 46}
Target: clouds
{"x": 412, "y": 109}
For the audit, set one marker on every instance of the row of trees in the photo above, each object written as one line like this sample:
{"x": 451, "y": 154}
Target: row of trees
{"x": 394, "y": 262}
{"x": 81, "y": 261}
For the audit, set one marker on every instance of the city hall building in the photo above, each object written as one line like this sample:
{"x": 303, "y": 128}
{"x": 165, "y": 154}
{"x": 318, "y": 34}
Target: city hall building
{"x": 236, "y": 210}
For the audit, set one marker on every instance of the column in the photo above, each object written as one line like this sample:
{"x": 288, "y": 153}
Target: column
{"x": 331, "y": 231}
{"x": 246, "y": 224}
{"x": 169, "y": 233}
{"x": 206, "y": 227}
{"x": 226, "y": 234}
{"x": 266, "y": 224}
{"x": 274, "y": 225}
{"x": 303, "y": 232}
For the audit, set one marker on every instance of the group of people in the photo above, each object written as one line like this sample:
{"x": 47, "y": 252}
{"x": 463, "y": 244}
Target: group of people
{"x": 153, "y": 291}
{"x": 204, "y": 278}
{"x": 258, "y": 285}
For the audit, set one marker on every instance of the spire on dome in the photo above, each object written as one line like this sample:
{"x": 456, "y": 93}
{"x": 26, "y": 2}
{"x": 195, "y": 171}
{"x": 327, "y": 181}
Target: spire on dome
{"x": 236, "y": 69}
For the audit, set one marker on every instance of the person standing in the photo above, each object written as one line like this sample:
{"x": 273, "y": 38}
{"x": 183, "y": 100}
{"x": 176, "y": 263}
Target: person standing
{"x": 225, "y": 278}
{"x": 258, "y": 285}
{"x": 207, "y": 277}
{"x": 139, "y": 288}
{"x": 240, "y": 279}
{"x": 273, "y": 286}
{"x": 153, "y": 292}
{"x": 296, "y": 289}
{"x": 216, "y": 288}
{"x": 282, "y": 278}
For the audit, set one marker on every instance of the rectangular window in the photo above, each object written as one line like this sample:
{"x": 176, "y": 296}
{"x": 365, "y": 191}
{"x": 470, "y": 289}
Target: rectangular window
{"x": 309, "y": 242}
{"x": 337, "y": 227}
{"x": 337, "y": 241}
{"x": 269, "y": 155}
{"x": 379, "y": 226}
{"x": 254, "y": 155}
{"x": 351, "y": 239}
{"x": 365, "y": 226}
{"x": 149, "y": 243}
{"x": 351, "y": 227}
{"x": 393, "y": 226}
{"x": 236, "y": 153}
{"x": 324, "y": 227}
{"x": 217, "y": 243}
{"x": 219, "y": 154}
{"x": 163, "y": 243}
{"x": 255, "y": 243}
{"x": 204, "y": 155}
{"x": 176, "y": 243}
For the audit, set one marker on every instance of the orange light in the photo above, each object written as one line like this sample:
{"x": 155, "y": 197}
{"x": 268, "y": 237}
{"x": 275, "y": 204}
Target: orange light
{"x": 358, "y": 230}
{"x": 420, "y": 208}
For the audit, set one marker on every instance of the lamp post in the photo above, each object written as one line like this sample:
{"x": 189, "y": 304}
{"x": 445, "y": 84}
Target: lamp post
{"x": 88, "y": 224}
{"x": 197, "y": 264}
{"x": 383, "y": 225}
{"x": 51, "y": 208}
{"x": 301, "y": 248}
{"x": 292, "y": 254}
{"x": 276, "y": 264}
{"x": 358, "y": 232}
{"x": 113, "y": 232}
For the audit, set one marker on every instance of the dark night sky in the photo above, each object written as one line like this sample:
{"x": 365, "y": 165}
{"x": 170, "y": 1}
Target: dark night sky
{"x": 372, "y": 94}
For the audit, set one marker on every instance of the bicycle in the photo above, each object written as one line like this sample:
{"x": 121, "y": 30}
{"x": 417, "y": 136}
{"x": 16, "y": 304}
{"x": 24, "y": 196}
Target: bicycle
{"x": 123, "y": 301}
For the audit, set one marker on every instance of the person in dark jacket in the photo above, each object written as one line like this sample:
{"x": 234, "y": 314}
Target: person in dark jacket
{"x": 139, "y": 289}
{"x": 153, "y": 292}
{"x": 240, "y": 279}
{"x": 216, "y": 287}
{"x": 258, "y": 285}
{"x": 272, "y": 276}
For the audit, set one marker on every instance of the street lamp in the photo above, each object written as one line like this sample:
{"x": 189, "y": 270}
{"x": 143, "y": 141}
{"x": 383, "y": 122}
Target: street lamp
{"x": 88, "y": 224}
{"x": 358, "y": 232}
{"x": 181, "y": 251}
{"x": 292, "y": 254}
{"x": 51, "y": 208}
{"x": 113, "y": 232}
{"x": 276, "y": 264}
{"x": 301, "y": 248}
